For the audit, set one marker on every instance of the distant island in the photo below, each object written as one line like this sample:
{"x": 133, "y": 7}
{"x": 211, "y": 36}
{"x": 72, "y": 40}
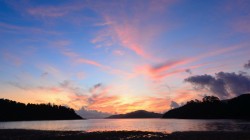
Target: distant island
{"x": 213, "y": 108}
{"x": 15, "y": 111}
{"x": 136, "y": 114}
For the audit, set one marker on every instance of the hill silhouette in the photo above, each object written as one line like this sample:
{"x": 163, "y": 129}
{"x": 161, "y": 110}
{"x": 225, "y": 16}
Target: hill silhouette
{"x": 16, "y": 111}
{"x": 136, "y": 114}
{"x": 213, "y": 108}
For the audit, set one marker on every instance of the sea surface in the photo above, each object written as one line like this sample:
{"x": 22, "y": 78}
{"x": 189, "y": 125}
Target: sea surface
{"x": 156, "y": 125}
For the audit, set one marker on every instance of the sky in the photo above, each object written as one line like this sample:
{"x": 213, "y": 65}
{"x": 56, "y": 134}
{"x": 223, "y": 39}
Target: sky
{"x": 123, "y": 55}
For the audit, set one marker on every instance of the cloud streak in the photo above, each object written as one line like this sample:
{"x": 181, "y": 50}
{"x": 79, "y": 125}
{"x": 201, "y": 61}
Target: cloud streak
{"x": 126, "y": 29}
{"x": 17, "y": 29}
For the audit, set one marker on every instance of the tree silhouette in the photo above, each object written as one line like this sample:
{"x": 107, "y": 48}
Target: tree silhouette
{"x": 212, "y": 107}
{"x": 15, "y": 111}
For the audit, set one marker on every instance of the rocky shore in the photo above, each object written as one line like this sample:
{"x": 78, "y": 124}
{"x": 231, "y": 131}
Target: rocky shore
{"x": 20, "y": 134}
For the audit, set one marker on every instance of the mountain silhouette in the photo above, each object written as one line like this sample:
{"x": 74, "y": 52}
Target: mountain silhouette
{"x": 213, "y": 108}
{"x": 15, "y": 111}
{"x": 136, "y": 114}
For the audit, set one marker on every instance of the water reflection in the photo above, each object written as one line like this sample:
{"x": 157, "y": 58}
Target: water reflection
{"x": 157, "y": 125}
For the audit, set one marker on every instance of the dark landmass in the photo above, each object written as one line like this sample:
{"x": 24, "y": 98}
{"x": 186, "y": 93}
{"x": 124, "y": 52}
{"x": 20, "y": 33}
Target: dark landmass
{"x": 15, "y": 111}
{"x": 136, "y": 114}
{"x": 18, "y": 134}
{"x": 213, "y": 108}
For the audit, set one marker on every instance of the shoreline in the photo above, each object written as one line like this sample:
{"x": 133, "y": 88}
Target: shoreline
{"x": 23, "y": 134}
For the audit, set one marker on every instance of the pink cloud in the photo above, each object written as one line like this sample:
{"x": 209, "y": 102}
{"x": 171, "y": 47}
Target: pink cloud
{"x": 163, "y": 70}
{"x": 132, "y": 31}
{"x": 170, "y": 68}
{"x": 63, "y": 47}
{"x": 128, "y": 39}
{"x": 91, "y": 62}
{"x": 118, "y": 52}
{"x": 80, "y": 75}
{"x": 103, "y": 67}
{"x": 169, "y": 64}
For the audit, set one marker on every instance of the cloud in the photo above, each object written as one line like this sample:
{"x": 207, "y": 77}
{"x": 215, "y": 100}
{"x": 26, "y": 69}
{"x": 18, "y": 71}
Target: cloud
{"x": 19, "y": 85}
{"x": 102, "y": 100}
{"x": 51, "y": 11}
{"x": 188, "y": 71}
{"x": 172, "y": 67}
{"x": 26, "y": 29}
{"x": 13, "y": 59}
{"x": 80, "y": 75}
{"x": 247, "y": 65}
{"x": 168, "y": 64}
{"x": 96, "y": 88}
{"x": 92, "y": 114}
{"x": 118, "y": 52}
{"x": 90, "y": 62}
{"x": 53, "y": 89}
{"x": 44, "y": 74}
{"x": 174, "y": 105}
{"x": 126, "y": 30}
{"x": 240, "y": 22}
{"x": 27, "y": 88}
{"x": 63, "y": 48}
{"x": 71, "y": 87}
{"x": 166, "y": 69}
{"x": 52, "y": 71}
{"x": 103, "y": 67}
{"x": 223, "y": 84}
{"x": 97, "y": 85}
{"x": 122, "y": 104}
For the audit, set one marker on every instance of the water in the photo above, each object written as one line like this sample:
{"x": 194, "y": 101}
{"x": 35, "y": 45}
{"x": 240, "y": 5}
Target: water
{"x": 156, "y": 125}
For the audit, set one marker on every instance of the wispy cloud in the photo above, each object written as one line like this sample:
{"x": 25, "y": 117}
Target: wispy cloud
{"x": 127, "y": 30}
{"x": 12, "y": 58}
{"x": 173, "y": 67}
{"x": 63, "y": 47}
{"x": 54, "y": 11}
{"x": 6, "y": 27}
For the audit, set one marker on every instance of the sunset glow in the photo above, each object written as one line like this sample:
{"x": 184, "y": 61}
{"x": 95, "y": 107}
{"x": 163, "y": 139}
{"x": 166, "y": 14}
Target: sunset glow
{"x": 120, "y": 56}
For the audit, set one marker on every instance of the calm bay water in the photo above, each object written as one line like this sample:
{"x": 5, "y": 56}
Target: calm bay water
{"x": 157, "y": 125}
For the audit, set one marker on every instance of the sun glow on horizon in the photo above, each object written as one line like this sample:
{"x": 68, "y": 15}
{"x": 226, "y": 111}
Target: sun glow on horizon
{"x": 122, "y": 56}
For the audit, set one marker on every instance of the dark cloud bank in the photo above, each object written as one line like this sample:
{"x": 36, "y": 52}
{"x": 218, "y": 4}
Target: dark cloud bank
{"x": 92, "y": 114}
{"x": 223, "y": 84}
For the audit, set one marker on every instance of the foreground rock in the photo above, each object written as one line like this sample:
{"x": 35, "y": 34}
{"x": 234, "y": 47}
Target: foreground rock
{"x": 17, "y": 134}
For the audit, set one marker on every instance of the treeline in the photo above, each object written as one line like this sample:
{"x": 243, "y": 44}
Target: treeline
{"x": 213, "y": 108}
{"x": 16, "y": 111}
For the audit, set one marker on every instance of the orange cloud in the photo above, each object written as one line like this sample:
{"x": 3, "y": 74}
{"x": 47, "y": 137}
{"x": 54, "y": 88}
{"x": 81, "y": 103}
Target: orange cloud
{"x": 116, "y": 104}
